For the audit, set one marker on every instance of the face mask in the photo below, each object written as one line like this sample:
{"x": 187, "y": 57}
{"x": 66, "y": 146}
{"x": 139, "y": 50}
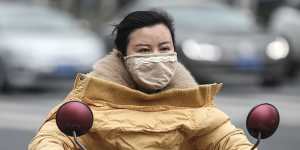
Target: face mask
{"x": 152, "y": 71}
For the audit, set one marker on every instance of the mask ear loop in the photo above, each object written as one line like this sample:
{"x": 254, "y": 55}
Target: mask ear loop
{"x": 122, "y": 58}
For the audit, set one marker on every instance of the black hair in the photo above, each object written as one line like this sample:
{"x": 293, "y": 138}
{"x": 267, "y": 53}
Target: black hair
{"x": 140, "y": 19}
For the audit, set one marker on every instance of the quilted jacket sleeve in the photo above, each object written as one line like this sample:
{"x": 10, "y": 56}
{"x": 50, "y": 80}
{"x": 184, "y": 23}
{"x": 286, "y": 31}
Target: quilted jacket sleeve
{"x": 225, "y": 137}
{"x": 50, "y": 138}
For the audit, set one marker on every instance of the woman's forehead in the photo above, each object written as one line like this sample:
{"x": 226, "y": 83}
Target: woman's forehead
{"x": 148, "y": 34}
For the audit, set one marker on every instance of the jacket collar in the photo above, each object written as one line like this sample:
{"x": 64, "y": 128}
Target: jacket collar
{"x": 97, "y": 91}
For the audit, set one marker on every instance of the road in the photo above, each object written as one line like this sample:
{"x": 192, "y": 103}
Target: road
{"x": 22, "y": 113}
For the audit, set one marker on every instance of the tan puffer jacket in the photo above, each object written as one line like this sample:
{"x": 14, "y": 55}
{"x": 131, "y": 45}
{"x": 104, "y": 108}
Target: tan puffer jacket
{"x": 181, "y": 117}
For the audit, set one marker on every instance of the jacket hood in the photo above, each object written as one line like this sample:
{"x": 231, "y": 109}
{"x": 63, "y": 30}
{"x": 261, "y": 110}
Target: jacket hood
{"x": 113, "y": 69}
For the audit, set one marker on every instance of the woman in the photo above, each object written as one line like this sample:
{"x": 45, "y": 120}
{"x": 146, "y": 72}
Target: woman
{"x": 142, "y": 98}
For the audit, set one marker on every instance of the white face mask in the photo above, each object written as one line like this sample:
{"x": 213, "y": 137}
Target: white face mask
{"x": 152, "y": 71}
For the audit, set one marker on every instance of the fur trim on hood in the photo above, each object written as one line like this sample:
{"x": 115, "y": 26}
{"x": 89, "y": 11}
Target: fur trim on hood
{"x": 112, "y": 68}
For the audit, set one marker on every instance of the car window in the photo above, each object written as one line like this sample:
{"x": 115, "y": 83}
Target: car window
{"x": 204, "y": 17}
{"x": 38, "y": 20}
{"x": 214, "y": 20}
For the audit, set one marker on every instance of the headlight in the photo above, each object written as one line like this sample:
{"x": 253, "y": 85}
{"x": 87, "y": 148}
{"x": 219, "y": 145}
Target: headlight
{"x": 278, "y": 49}
{"x": 201, "y": 51}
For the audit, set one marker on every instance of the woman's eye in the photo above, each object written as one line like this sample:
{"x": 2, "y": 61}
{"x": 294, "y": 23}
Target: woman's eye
{"x": 144, "y": 50}
{"x": 164, "y": 49}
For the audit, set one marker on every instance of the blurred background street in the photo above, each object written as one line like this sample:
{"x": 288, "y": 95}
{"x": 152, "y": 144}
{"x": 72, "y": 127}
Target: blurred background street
{"x": 253, "y": 46}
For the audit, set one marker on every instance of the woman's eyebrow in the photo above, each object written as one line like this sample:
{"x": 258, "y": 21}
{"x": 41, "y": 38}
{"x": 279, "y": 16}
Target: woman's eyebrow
{"x": 165, "y": 42}
{"x": 140, "y": 44}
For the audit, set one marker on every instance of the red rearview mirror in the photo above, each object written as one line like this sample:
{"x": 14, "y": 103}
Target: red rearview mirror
{"x": 74, "y": 116}
{"x": 262, "y": 121}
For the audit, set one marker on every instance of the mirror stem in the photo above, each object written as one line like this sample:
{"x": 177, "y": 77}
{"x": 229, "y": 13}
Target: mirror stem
{"x": 257, "y": 142}
{"x": 81, "y": 147}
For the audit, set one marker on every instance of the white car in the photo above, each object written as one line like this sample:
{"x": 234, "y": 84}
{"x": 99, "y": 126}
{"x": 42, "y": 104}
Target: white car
{"x": 41, "y": 46}
{"x": 286, "y": 22}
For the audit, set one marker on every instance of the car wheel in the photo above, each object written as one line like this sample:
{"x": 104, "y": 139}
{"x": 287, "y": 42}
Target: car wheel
{"x": 4, "y": 87}
{"x": 2, "y": 77}
{"x": 292, "y": 69}
{"x": 2, "y": 80}
{"x": 272, "y": 81}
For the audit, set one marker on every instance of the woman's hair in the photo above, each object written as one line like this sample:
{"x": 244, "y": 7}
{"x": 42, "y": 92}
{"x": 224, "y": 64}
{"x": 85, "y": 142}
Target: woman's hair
{"x": 140, "y": 19}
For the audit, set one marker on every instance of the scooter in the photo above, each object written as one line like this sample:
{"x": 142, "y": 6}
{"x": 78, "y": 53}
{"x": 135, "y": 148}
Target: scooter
{"x": 75, "y": 118}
